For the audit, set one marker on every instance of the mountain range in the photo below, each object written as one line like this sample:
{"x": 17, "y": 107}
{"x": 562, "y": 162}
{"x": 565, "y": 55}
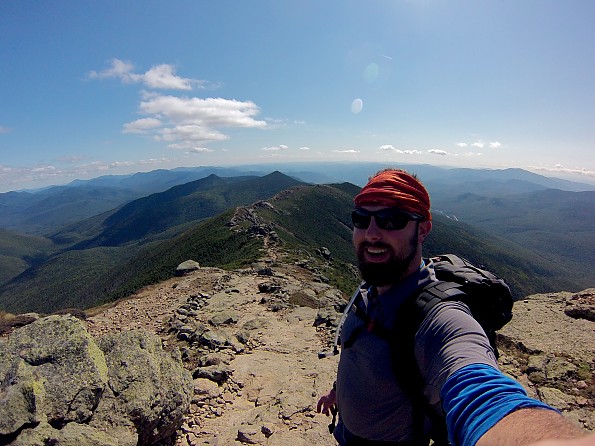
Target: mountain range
{"x": 98, "y": 240}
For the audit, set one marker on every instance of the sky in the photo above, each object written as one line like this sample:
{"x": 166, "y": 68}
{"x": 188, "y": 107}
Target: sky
{"x": 111, "y": 87}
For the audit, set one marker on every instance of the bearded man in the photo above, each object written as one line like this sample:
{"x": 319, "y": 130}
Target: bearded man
{"x": 461, "y": 378}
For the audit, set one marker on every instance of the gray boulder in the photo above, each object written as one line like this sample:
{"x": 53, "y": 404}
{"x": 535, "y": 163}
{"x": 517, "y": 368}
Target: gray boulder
{"x": 52, "y": 369}
{"x": 58, "y": 385}
{"x": 187, "y": 267}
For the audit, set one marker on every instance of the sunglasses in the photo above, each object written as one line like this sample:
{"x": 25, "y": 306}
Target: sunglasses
{"x": 391, "y": 219}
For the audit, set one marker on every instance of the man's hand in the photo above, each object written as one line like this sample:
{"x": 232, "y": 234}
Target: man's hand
{"x": 327, "y": 403}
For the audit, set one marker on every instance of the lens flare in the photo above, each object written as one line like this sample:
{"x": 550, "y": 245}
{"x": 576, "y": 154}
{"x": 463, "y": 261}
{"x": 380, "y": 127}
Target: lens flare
{"x": 357, "y": 105}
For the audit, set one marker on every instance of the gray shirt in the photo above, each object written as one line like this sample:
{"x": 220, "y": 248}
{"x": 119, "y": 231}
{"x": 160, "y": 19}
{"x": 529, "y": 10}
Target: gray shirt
{"x": 370, "y": 401}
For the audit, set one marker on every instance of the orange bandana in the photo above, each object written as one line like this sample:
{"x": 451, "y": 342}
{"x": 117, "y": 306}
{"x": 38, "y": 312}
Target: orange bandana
{"x": 396, "y": 188}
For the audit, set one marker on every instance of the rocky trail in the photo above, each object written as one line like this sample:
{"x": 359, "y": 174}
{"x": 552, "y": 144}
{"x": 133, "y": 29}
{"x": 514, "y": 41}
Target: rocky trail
{"x": 249, "y": 340}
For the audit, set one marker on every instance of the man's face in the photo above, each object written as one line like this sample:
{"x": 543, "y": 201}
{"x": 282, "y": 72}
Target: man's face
{"x": 387, "y": 256}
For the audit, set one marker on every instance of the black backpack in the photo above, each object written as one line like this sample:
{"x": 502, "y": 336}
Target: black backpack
{"x": 487, "y": 296}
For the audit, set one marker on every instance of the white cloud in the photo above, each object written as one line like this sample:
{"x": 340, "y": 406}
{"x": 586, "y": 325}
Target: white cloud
{"x": 275, "y": 148}
{"x": 200, "y": 150}
{"x": 183, "y": 122}
{"x": 478, "y": 144}
{"x": 187, "y": 122}
{"x": 438, "y": 152}
{"x": 164, "y": 77}
{"x": 559, "y": 168}
{"x": 495, "y": 145}
{"x": 346, "y": 151}
{"x": 142, "y": 125}
{"x": 389, "y": 148}
{"x": 462, "y": 144}
{"x": 304, "y": 148}
{"x": 119, "y": 70}
{"x": 159, "y": 77}
{"x": 14, "y": 178}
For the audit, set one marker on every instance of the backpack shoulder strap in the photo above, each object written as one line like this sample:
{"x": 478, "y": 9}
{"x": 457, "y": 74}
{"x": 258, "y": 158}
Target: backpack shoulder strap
{"x": 406, "y": 369}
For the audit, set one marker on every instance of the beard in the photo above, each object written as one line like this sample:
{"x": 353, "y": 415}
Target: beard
{"x": 391, "y": 271}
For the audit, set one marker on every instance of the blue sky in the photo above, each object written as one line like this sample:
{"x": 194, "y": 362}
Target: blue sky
{"x": 108, "y": 87}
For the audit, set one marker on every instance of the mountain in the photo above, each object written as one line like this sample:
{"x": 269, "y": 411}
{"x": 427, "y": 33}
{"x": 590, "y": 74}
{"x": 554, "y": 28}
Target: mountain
{"x": 177, "y": 206}
{"x": 50, "y": 209}
{"x": 20, "y": 251}
{"x": 42, "y": 212}
{"x": 554, "y": 223}
{"x": 298, "y": 222}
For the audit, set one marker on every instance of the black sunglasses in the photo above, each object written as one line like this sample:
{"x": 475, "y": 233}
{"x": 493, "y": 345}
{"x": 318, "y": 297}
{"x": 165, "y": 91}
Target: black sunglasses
{"x": 391, "y": 219}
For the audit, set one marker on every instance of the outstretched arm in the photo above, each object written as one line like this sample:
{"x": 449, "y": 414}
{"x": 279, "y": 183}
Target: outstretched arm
{"x": 588, "y": 440}
{"x": 526, "y": 426}
{"x": 486, "y": 408}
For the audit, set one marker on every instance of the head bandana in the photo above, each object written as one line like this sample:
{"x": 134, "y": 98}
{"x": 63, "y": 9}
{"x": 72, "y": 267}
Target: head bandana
{"x": 396, "y": 188}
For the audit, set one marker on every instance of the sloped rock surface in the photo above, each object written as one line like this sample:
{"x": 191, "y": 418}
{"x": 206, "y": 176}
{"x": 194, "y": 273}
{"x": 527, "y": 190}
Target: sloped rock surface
{"x": 552, "y": 352}
{"x": 249, "y": 339}
{"x": 60, "y": 386}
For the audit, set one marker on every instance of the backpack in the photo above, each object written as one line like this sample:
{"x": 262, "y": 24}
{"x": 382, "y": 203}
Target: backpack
{"x": 489, "y": 300}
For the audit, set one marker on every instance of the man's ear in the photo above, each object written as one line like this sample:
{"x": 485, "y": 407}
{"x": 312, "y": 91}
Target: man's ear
{"x": 423, "y": 229}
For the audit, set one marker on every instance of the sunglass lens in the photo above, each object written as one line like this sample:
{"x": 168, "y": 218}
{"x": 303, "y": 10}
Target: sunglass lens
{"x": 388, "y": 219}
{"x": 392, "y": 222}
{"x": 360, "y": 219}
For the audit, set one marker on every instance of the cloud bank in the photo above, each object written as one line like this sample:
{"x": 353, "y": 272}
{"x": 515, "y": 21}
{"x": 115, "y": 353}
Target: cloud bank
{"x": 182, "y": 122}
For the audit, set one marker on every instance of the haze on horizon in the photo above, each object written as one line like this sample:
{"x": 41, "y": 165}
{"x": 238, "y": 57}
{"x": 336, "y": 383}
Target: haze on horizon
{"x": 91, "y": 89}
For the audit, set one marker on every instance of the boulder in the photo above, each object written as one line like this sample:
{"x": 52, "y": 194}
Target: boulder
{"x": 57, "y": 368}
{"x": 58, "y": 385}
{"x": 187, "y": 267}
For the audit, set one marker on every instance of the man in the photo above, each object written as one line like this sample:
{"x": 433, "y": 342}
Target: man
{"x": 460, "y": 372}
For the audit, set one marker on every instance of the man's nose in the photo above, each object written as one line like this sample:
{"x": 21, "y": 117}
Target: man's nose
{"x": 373, "y": 232}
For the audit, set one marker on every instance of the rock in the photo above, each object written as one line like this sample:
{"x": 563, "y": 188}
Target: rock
{"x": 250, "y": 435}
{"x": 324, "y": 252}
{"x": 557, "y": 368}
{"x": 54, "y": 363}
{"x": 150, "y": 386}
{"x": 60, "y": 386}
{"x": 556, "y": 398}
{"x": 581, "y": 312}
{"x": 327, "y": 317}
{"x": 265, "y": 272}
{"x": 187, "y": 267}
{"x": 216, "y": 373}
{"x": 206, "y": 388}
{"x": 224, "y": 318}
{"x": 214, "y": 339}
{"x": 73, "y": 434}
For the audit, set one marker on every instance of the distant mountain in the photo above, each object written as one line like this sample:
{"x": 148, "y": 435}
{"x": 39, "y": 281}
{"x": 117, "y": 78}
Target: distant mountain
{"x": 177, "y": 206}
{"x": 49, "y": 210}
{"x": 287, "y": 226}
{"x": 45, "y": 211}
{"x": 555, "y": 223}
{"x": 20, "y": 251}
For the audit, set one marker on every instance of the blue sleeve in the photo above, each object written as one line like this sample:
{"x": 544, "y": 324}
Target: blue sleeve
{"x": 476, "y": 397}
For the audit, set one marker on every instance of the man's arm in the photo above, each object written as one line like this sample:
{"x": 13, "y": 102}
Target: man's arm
{"x": 526, "y": 426}
{"x": 588, "y": 440}
{"x": 486, "y": 408}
